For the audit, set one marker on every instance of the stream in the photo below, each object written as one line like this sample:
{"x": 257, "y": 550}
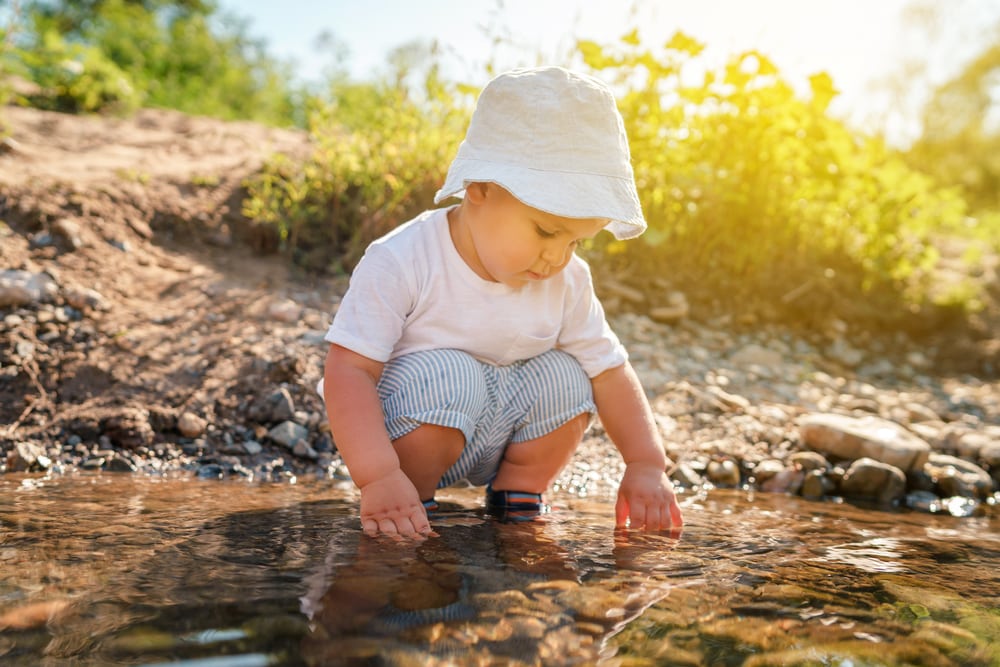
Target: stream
{"x": 105, "y": 569}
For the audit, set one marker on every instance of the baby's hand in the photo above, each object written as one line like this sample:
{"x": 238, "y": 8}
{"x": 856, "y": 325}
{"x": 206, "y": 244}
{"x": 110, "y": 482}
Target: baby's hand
{"x": 646, "y": 499}
{"x": 390, "y": 505}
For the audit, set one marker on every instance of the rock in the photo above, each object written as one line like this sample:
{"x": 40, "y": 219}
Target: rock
{"x": 788, "y": 480}
{"x": 686, "y": 476}
{"x": 923, "y": 501}
{"x": 766, "y": 469}
{"x": 677, "y": 309}
{"x": 273, "y": 408}
{"x": 756, "y": 355}
{"x": 624, "y": 292}
{"x": 850, "y": 438}
{"x": 85, "y": 299}
{"x": 724, "y": 473}
{"x": 845, "y": 353}
{"x": 285, "y": 310}
{"x": 211, "y": 471}
{"x": 809, "y": 461}
{"x": 288, "y": 433}
{"x": 119, "y": 463}
{"x": 26, "y": 457}
{"x": 919, "y": 412}
{"x": 867, "y": 478}
{"x": 816, "y": 485}
{"x": 140, "y": 227}
{"x": 303, "y": 450}
{"x": 130, "y": 429}
{"x": 20, "y": 288}
{"x": 958, "y": 477}
{"x": 68, "y": 231}
{"x": 191, "y": 425}
{"x": 979, "y": 446}
{"x": 9, "y": 145}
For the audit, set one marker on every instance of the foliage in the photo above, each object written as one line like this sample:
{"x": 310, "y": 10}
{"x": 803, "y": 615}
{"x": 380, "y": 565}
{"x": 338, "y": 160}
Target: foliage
{"x": 752, "y": 192}
{"x": 380, "y": 152}
{"x": 960, "y": 143}
{"x": 104, "y": 54}
{"x": 77, "y": 78}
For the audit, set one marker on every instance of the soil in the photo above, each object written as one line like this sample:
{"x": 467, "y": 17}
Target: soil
{"x": 145, "y": 212}
{"x": 170, "y": 302}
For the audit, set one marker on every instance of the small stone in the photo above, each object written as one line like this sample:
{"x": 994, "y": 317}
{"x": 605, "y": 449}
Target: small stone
{"x": 285, "y": 310}
{"x": 724, "y": 473}
{"x": 288, "y": 433}
{"x": 303, "y": 450}
{"x": 191, "y": 425}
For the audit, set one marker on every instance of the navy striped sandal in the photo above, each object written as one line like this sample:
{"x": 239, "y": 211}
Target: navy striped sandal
{"x": 514, "y": 506}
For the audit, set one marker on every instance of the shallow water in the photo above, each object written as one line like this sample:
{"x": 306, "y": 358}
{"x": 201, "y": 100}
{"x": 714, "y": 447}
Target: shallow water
{"x": 109, "y": 570}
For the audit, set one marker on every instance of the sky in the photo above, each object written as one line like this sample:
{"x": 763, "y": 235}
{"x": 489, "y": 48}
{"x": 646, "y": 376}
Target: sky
{"x": 858, "y": 42}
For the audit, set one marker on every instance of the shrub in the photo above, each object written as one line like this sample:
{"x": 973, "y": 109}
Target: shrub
{"x": 756, "y": 195}
{"x": 77, "y": 78}
{"x": 380, "y": 152}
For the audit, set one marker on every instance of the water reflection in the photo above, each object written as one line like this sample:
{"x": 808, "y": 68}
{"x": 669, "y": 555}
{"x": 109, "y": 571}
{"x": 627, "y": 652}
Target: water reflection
{"x": 109, "y": 570}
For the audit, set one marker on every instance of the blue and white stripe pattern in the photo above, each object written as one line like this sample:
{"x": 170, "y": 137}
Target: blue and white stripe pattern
{"x": 491, "y": 405}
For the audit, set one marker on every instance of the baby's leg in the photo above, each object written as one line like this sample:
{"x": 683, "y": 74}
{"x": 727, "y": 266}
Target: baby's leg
{"x": 561, "y": 407}
{"x": 426, "y": 453}
{"x": 533, "y": 465}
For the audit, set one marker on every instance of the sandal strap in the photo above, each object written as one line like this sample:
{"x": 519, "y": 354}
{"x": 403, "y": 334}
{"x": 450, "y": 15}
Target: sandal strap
{"x": 431, "y": 505}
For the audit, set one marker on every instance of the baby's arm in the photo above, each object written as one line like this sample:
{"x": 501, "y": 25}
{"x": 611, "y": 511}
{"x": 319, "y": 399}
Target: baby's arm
{"x": 645, "y": 497}
{"x": 389, "y": 501}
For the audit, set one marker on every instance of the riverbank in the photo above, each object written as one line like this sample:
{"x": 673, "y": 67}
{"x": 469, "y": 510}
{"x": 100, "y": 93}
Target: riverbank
{"x": 146, "y": 329}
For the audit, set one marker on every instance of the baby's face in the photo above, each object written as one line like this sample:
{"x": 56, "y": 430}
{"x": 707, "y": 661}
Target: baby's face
{"x": 516, "y": 244}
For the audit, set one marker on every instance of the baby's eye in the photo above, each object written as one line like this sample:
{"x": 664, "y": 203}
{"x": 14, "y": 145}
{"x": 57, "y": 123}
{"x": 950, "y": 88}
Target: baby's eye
{"x": 544, "y": 233}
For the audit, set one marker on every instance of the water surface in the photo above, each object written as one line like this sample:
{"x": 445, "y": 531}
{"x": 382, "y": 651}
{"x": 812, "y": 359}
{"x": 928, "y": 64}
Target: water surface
{"x": 121, "y": 570}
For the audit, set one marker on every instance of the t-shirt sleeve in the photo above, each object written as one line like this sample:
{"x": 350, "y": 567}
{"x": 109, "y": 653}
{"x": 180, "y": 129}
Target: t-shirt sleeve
{"x": 371, "y": 315}
{"x": 586, "y": 333}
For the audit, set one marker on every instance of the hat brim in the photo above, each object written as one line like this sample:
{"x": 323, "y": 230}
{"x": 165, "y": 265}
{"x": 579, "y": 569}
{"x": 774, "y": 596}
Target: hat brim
{"x": 566, "y": 194}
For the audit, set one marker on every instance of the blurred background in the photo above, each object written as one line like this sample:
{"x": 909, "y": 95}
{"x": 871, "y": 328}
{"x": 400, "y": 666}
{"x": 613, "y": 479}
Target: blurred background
{"x": 796, "y": 161}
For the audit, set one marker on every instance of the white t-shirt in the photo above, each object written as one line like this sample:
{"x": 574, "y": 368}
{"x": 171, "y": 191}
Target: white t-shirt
{"x": 412, "y": 291}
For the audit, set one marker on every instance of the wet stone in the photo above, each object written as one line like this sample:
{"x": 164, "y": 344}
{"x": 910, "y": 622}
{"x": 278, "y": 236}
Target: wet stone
{"x": 724, "y": 473}
{"x": 867, "y": 478}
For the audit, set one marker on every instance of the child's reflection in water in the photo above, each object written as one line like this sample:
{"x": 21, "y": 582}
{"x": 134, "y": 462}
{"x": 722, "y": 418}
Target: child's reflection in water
{"x": 379, "y": 587}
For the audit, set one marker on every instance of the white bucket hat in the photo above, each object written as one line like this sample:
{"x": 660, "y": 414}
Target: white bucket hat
{"x": 556, "y": 141}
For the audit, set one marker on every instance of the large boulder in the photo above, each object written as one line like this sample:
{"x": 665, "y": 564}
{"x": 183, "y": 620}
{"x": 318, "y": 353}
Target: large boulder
{"x": 843, "y": 438}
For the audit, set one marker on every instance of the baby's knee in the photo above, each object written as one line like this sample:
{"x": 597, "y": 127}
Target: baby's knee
{"x": 559, "y": 374}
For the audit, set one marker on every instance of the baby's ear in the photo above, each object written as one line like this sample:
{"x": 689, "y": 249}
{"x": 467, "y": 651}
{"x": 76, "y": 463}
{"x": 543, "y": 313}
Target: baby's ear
{"x": 476, "y": 192}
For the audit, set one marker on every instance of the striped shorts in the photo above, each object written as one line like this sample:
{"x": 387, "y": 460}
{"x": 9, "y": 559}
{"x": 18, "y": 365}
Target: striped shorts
{"x": 493, "y": 406}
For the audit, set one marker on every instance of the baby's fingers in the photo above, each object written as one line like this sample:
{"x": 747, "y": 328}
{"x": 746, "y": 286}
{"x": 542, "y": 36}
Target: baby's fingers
{"x": 621, "y": 512}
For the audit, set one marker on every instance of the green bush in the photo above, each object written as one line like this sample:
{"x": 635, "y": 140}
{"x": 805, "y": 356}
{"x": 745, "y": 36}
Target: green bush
{"x": 380, "y": 151}
{"x": 755, "y": 195}
{"x": 178, "y": 55}
{"x": 77, "y": 78}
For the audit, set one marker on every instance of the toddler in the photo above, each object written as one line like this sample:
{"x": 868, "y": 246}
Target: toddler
{"x": 470, "y": 344}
